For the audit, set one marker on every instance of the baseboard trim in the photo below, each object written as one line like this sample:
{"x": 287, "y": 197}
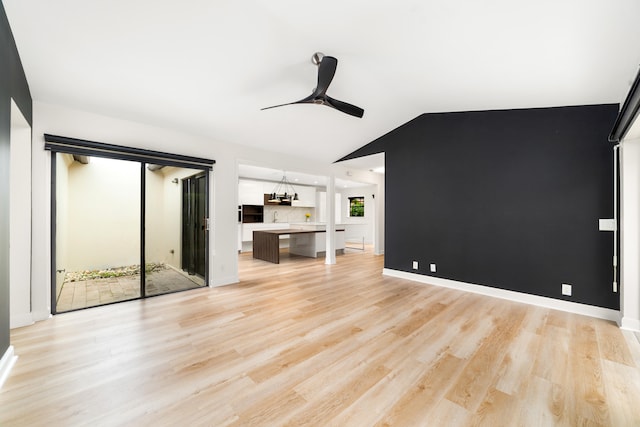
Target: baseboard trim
{"x": 41, "y": 315}
{"x": 568, "y": 306}
{"x": 21, "y": 320}
{"x": 6, "y": 363}
{"x": 630, "y": 324}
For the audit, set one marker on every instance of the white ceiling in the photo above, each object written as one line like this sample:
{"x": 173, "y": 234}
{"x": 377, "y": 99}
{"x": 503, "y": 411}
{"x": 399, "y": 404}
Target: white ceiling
{"x": 208, "y": 67}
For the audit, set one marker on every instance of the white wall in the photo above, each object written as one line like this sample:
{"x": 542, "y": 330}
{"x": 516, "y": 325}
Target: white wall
{"x": 164, "y": 215}
{"x": 155, "y": 231}
{"x": 223, "y": 260}
{"x": 101, "y": 201}
{"x": 103, "y": 215}
{"x": 630, "y": 234}
{"x": 20, "y": 220}
{"x": 359, "y": 227}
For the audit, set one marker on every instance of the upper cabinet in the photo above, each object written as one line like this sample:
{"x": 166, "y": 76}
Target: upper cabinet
{"x": 306, "y": 197}
{"x": 250, "y": 192}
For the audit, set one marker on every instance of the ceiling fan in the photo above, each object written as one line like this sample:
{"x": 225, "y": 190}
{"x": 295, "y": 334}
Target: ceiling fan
{"x": 326, "y": 70}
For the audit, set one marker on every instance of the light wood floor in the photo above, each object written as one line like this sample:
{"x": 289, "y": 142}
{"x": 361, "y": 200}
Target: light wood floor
{"x": 302, "y": 343}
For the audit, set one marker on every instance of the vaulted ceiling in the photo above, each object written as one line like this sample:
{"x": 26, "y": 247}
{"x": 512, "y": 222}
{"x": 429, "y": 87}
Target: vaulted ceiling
{"x": 207, "y": 67}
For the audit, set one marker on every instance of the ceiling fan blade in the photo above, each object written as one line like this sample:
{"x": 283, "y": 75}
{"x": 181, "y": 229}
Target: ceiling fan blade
{"x": 307, "y": 100}
{"x": 279, "y": 105}
{"x": 344, "y": 107}
{"x": 326, "y": 71}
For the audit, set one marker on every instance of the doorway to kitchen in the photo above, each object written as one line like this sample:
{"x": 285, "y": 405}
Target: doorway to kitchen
{"x": 126, "y": 223}
{"x": 261, "y": 211}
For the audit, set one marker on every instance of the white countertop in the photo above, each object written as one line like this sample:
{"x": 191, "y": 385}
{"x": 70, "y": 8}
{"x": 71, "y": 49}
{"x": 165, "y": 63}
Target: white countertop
{"x": 313, "y": 225}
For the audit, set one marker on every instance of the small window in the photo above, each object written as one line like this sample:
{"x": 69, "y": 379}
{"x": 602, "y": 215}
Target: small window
{"x": 356, "y": 206}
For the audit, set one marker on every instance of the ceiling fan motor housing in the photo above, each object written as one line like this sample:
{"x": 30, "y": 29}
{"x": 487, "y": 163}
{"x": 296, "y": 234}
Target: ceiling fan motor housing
{"x": 317, "y": 58}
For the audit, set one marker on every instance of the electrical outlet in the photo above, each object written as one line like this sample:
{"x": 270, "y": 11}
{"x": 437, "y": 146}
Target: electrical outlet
{"x": 566, "y": 289}
{"x": 415, "y": 265}
{"x": 432, "y": 267}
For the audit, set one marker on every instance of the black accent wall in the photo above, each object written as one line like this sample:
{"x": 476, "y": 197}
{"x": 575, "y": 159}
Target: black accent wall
{"x": 13, "y": 84}
{"x": 506, "y": 198}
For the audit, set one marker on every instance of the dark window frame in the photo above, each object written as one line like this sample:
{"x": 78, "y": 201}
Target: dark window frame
{"x": 356, "y": 207}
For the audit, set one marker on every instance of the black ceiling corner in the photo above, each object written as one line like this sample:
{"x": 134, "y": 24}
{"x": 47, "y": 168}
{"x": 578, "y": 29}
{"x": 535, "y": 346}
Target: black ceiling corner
{"x": 374, "y": 147}
{"x": 378, "y": 145}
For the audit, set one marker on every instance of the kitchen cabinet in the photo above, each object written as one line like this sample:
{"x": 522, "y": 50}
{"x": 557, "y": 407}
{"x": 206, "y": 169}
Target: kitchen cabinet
{"x": 250, "y": 192}
{"x": 252, "y": 213}
{"x": 306, "y": 197}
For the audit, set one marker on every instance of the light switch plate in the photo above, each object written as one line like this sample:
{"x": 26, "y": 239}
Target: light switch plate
{"x": 432, "y": 267}
{"x": 415, "y": 265}
{"x": 566, "y": 289}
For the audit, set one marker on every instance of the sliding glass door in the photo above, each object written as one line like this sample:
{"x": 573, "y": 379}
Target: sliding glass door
{"x": 175, "y": 229}
{"x": 124, "y": 229}
{"x": 97, "y": 231}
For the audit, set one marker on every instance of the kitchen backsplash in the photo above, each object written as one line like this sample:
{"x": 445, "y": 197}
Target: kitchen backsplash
{"x": 288, "y": 214}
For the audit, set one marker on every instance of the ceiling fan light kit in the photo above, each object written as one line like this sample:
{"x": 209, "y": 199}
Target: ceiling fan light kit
{"x": 326, "y": 70}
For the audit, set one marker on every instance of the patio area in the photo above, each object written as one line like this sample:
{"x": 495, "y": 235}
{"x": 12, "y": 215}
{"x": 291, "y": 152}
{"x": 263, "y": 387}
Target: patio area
{"x": 90, "y": 289}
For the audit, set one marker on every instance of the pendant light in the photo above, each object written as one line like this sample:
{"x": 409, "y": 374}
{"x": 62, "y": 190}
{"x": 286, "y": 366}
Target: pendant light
{"x": 283, "y": 192}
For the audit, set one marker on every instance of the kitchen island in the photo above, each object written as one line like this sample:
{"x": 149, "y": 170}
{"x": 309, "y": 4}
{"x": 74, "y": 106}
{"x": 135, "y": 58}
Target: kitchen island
{"x": 304, "y": 242}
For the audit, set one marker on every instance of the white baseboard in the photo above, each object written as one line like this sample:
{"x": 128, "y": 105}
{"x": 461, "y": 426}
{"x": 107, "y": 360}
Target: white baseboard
{"x": 18, "y": 321}
{"x": 6, "y": 363}
{"x": 41, "y": 315}
{"x": 630, "y": 324}
{"x": 568, "y": 306}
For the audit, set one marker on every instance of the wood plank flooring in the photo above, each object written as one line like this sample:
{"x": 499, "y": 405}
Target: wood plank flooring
{"x": 303, "y": 343}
